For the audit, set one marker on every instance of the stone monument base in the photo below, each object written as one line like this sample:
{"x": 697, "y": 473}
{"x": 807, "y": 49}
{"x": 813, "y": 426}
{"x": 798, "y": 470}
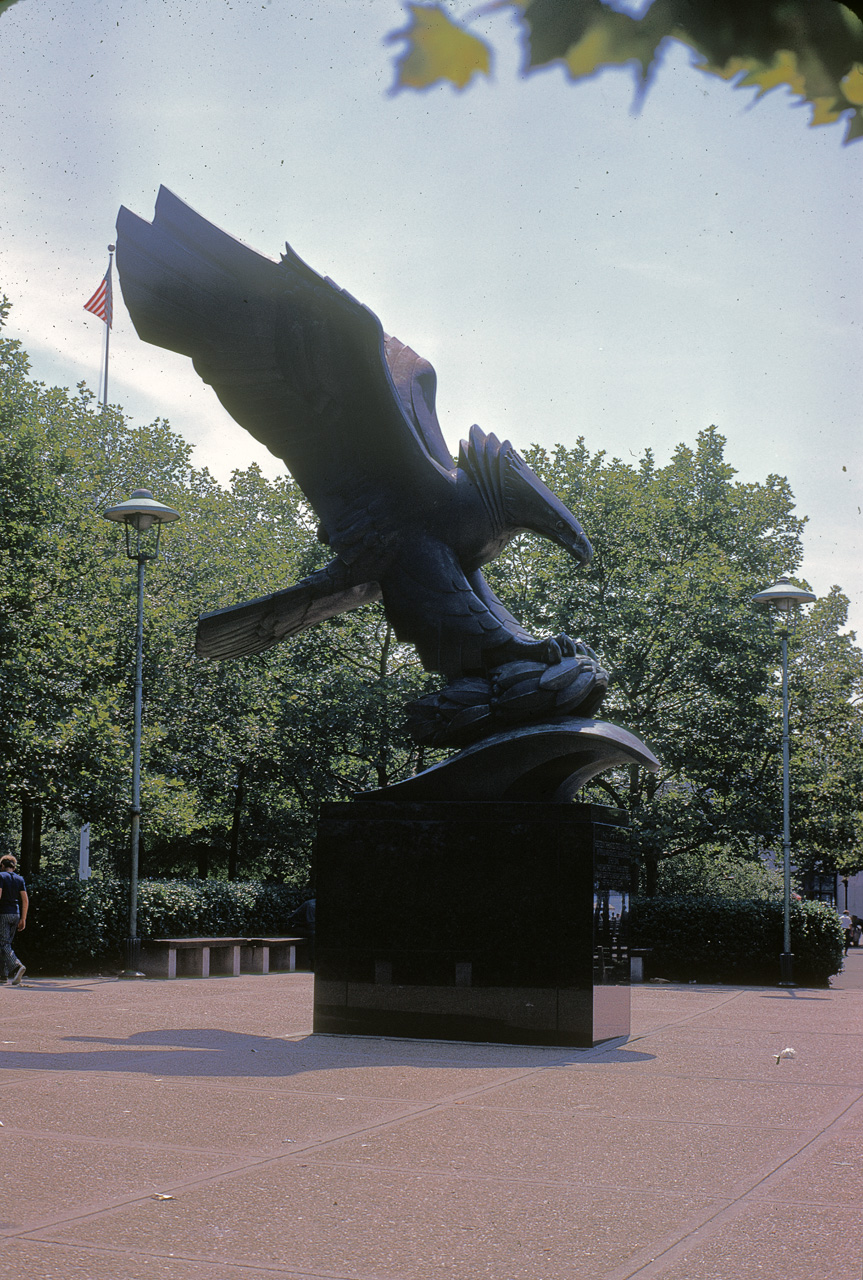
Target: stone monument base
{"x": 459, "y": 920}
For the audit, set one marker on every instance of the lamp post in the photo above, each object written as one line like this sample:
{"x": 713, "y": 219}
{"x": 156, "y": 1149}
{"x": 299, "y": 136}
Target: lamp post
{"x": 143, "y": 518}
{"x": 787, "y": 598}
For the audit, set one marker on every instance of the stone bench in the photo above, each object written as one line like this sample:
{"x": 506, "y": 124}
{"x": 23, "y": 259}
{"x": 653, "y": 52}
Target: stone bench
{"x": 263, "y": 955}
{"x": 223, "y": 957}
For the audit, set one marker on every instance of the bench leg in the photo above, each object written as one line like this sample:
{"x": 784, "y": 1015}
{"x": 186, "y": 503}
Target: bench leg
{"x": 193, "y": 962}
{"x": 159, "y": 962}
{"x": 255, "y": 960}
{"x": 284, "y": 957}
{"x": 224, "y": 961}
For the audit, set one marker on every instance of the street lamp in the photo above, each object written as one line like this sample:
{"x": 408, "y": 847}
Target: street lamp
{"x": 787, "y": 598}
{"x": 143, "y": 518}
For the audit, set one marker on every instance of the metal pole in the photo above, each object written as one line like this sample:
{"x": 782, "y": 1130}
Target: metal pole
{"x": 109, "y": 314}
{"x": 105, "y": 380}
{"x": 133, "y": 942}
{"x": 786, "y": 960}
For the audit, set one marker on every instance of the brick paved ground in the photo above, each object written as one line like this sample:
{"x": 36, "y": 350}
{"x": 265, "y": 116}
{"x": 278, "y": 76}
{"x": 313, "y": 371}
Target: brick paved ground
{"x": 196, "y": 1130}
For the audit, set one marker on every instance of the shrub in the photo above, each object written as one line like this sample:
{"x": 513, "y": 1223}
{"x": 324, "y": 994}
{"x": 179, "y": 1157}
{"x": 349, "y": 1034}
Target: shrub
{"x": 71, "y": 921}
{"x": 717, "y": 874}
{"x": 79, "y": 926}
{"x": 731, "y": 940}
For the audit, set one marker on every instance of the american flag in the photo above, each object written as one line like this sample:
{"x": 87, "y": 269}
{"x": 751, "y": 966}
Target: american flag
{"x": 101, "y": 303}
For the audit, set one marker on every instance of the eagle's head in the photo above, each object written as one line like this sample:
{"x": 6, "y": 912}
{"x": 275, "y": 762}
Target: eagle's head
{"x": 531, "y": 505}
{"x": 515, "y": 498}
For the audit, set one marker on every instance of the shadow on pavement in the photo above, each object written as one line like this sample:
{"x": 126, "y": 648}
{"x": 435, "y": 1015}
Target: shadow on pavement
{"x": 217, "y": 1053}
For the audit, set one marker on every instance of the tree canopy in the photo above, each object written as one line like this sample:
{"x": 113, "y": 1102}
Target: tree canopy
{"x": 814, "y": 48}
{"x": 667, "y": 602}
{"x": 248, "y": 747}
{"x": 238, "y": 755}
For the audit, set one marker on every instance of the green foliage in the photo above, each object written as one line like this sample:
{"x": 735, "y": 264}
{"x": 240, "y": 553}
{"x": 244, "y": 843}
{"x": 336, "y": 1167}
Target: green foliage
{"x": 826, "y": 682}
{"x": 72, "y": 924}
{"x": 438, "y": 49}
{"x": 712, "y": 873}
{"x": 241, "y": 749}
{"x": 715, "y": 939}
{"x": 79, "y": 926}
{"x": 814, "y": 48}
{"x": 215, "y": 907}
{"x": 237, "y": 755}
{"x": 667, "y": 604}
{"x": 64, "y": 584}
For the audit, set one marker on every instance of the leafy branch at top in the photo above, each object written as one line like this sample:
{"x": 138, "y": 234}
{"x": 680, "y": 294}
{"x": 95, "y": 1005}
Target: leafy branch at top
{"x": 812, "y": 47}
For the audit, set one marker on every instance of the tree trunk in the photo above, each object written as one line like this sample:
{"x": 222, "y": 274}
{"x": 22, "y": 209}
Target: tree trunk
{"x": 382, "y": 762}
{"x": 31, "y": 836}
{"x": 233, "y": 850}
{"x": 37, "y": 837}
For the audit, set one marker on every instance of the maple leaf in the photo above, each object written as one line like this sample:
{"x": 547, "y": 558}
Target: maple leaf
{"x": 814, "y": 48}
{"x": 586, "y": 35}
{"x": 438, "y": 49}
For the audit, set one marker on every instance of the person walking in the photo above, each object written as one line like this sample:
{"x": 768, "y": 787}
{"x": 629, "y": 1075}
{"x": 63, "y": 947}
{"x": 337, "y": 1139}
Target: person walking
{"x": 14, "y": 904}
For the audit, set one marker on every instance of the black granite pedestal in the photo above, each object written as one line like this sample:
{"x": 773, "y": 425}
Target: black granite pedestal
{"x": 478, "y": 921}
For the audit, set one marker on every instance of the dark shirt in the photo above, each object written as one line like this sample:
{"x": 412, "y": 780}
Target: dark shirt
{"x": 12, "y": 886}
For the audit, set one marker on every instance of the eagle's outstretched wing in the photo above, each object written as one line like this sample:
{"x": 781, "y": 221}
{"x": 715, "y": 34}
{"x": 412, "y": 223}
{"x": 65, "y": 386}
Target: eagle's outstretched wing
{"x": 294, "y": 359}
{"x": 259, "y": 624}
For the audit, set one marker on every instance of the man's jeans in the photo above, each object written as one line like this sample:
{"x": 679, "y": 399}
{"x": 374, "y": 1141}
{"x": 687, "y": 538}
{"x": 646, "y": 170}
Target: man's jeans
{"x": 8, "y": 929}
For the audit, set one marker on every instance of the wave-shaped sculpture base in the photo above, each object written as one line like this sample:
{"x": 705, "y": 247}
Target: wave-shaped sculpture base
{"x": 548, "y": 761}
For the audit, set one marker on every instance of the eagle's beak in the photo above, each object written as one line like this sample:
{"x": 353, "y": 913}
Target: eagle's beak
{"x": 575, "y": 542}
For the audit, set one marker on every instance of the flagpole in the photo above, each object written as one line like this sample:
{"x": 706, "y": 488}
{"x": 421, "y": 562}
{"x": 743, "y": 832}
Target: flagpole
{"x": 102, "y": 305}
{"x": 109, "y": 308}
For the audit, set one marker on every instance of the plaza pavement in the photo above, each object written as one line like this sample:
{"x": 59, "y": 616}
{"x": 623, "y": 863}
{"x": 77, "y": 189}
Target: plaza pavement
{"x": 196, "y": 1130}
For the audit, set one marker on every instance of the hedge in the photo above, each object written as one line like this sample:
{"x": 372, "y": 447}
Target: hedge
{"x": 78, "y": 926}
{"x": 726, "y": 940}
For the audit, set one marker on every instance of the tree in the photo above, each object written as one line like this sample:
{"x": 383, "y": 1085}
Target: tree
{"x": 666, "y": 602}
{"x": 826, "y": 728}
{"x": 716, "y": 874}
{"x": 813, "y": 47}
{"x": 254, "y": 744}
{"x": 59, "y": 740}
{"x": 236, "y": 755}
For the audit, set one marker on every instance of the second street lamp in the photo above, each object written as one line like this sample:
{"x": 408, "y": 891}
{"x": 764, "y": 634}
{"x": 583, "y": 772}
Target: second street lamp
{"x": 786, "y": 598}
{"x": 143, "y": 518}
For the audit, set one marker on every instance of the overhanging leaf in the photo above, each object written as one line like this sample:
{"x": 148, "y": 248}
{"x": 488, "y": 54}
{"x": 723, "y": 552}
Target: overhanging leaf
{"x": 812, "y": 47}
{"x": 586, "y": 35}
{"x": 815, "y": 49}
{"x": 438, "y": 49}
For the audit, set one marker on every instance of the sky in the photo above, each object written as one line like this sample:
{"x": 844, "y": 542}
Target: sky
{"x": 572, "y": 265}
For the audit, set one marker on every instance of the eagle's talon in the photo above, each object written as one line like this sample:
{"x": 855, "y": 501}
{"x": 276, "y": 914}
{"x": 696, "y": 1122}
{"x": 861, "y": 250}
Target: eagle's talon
{"x": 553, "y": 654}
{"x": 584, "y": 651}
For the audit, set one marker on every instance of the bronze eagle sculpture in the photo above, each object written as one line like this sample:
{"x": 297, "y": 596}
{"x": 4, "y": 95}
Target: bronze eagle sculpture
{"x": 309, "y": 372}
